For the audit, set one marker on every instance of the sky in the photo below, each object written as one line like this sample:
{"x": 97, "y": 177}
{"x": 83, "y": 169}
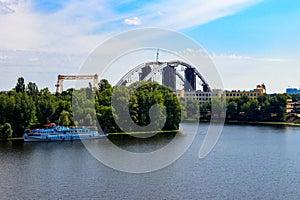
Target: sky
{"x": 250, "y": 41}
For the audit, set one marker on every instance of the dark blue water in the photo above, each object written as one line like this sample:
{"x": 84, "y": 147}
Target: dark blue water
{"x": 248, "y": 162}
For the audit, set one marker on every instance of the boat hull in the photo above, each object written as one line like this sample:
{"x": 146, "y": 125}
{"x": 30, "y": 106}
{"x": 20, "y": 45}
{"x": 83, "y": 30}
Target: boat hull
{"x": 51, "y": 132}
{"x": 53, "y": 138}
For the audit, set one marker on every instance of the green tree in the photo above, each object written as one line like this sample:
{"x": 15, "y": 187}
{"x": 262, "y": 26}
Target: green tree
{"x": 295, "y": 97}
{"x": 89, "y": 91}
{"x": 64, "y": 118}
{"x": 262, "y": 99}
{"x": 45, "y": 92}
{"x": 231, "y": 111}
{"x": 45, "y": 110}
{"x": 218, "y": 107}
{"x": 266, "y": 111}
{"x": 278, "y": 107}
{"x": 60, "y": 106}
{"x": 103, "y": 85}
{"x": 46, "y": 105}
{"x": 23, "y": 112}
{"x": 20, "y": 87}
{"x": 240, "y": 101}
{"x": 205, "y": 111}
{"x": 192, "y": 108}
{"x": 3, "y": 107}
{"x": 138, "y": 102}
{"x": 106, "y": 119}
{"x": 5, "y": 131}
{"x": 250, "y": 110}
{"x": 32, "y": 90}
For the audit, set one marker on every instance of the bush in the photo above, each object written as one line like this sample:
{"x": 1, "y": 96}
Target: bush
{"x": 5, "y": 131}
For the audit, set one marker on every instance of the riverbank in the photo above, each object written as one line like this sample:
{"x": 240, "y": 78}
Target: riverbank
{"x": 149, "y": 132}
{"x": 243, "y": 122}
{"x": 261, "y": 123}
{"x": 161, "y": 132}
{"x": 12, "y": 139}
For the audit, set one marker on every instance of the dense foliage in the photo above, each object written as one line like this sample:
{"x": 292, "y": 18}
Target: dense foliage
{"x": 264, "y": 108}
{"x": 25, "y": 106}
{"x": 296, "y": 97}
{"x": 136, "y": 100}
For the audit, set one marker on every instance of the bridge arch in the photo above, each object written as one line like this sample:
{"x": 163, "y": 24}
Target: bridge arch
{"x": 148, "y": 69}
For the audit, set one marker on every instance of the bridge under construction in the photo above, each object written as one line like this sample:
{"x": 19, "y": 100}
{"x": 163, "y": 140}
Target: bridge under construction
{"x": 167, "y": 73}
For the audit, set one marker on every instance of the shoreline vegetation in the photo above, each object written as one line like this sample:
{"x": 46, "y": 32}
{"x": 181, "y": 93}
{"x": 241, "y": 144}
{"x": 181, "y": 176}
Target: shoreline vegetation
{"x": 187, "y": 121}
{"x": 27, "y": 107}
{"x": 244, "y": 122}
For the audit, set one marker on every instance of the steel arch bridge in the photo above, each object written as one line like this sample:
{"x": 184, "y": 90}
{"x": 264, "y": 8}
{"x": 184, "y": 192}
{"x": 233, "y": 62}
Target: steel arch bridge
{"x": 169, "y": 70}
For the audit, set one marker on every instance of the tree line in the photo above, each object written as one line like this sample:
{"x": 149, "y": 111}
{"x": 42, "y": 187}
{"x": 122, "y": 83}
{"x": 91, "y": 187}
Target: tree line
{"x": 266, "y": 108}
{"x": 25, "y": 106}
{"x": 136, "y": 101}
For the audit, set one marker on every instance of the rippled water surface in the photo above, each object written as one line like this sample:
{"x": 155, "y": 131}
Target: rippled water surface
{"x": 248, "y": 162}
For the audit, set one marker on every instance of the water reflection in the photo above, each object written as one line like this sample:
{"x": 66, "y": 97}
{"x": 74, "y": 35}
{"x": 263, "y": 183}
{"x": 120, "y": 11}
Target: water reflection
{"x": 143, "y": 145}
{"x": 249, "y": 162}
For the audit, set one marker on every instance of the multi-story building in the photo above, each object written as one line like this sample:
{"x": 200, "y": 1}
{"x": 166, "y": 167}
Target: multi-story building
{"x": 289, "y": 106}
{"x": 296, "y": 107}
{"x": 253, "y": 94}
{"x": 204, "y": 97}
{"x": 292, "y": 107}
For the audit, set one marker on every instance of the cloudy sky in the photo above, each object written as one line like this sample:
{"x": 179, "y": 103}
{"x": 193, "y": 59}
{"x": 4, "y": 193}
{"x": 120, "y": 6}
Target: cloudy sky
{"x": 250, "y": 41}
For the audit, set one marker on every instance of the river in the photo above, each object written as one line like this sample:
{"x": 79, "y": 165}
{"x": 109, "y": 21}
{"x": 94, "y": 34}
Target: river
{"x": 248, "y": 162}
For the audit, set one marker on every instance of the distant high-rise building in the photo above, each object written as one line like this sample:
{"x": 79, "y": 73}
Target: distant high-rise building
{"x": 292, "y": 91}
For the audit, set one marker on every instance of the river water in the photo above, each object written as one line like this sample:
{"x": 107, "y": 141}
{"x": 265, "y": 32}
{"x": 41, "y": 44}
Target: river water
{"x": 248, "y": 162}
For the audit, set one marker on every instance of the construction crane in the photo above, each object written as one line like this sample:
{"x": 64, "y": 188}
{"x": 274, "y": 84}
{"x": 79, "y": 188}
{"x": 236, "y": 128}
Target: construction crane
{"x": 61, "y": 78}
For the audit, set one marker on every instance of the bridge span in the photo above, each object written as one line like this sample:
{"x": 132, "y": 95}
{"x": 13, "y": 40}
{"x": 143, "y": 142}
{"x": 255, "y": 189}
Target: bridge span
{"x": 168, "y": 71}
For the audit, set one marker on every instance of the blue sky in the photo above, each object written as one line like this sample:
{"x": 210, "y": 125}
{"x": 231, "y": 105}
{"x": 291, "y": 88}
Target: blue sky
{"x": 250, "y": 41}
{"x": 270, "y": 28}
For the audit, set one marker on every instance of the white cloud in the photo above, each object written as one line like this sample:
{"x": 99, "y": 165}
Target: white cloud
{"x": 69, "y": 30}
{"x": 134, "y": 21}
{"x": 80, "y": 26}
{"x": 178, "y": 15}
{"x": 19, "y": 28}
{"x": 7, "y": 6}
{"x": 3, "y": 57}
